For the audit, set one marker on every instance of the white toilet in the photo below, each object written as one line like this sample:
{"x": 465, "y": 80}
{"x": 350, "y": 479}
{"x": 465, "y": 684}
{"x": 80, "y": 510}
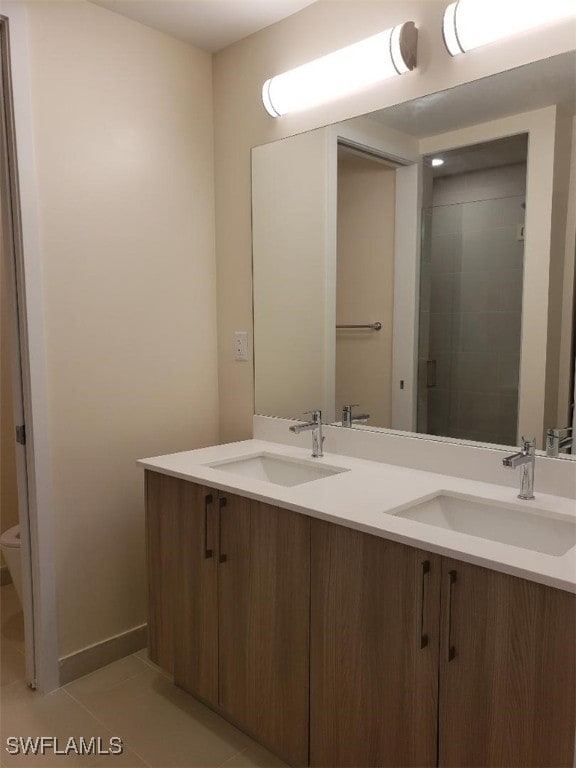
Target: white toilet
{"x": 10, "y": 546}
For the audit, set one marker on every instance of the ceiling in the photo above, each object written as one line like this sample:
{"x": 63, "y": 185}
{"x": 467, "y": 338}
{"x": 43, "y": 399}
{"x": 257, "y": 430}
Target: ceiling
{"x": 532, "y": 86}
{"x": 208, "y": 24}
{"x": 490, "y": 154}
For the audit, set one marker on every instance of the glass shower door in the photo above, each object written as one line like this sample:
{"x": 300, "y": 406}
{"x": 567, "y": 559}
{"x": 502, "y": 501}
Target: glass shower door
{"x": 470, "y": 319}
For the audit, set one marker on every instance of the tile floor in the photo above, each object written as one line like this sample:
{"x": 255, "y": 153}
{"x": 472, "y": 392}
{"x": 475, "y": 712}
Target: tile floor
{"x": 160, "y": 725}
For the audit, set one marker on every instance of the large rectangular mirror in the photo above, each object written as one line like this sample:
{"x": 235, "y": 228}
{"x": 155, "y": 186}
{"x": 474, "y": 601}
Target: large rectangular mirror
{"x": 418, "y": 263}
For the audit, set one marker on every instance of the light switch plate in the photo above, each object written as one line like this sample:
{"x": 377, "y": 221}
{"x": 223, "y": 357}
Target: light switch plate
{"x": 241, "y": 345}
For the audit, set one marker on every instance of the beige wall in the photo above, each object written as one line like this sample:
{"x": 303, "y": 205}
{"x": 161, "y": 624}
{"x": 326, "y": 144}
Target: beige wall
{"x": 292, "y": 212}
{"x": 124, "y": 146}
{"x": 365, "y": 285}
{"x": 8, "y": 485}
{"x": 241, "y": 123}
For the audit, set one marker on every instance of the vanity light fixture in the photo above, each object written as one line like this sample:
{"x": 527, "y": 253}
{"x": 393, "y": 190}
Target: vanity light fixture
{"x": 436, "y": 161}
{"x": 471, "y": 23}
{"x": 392, "y": 52}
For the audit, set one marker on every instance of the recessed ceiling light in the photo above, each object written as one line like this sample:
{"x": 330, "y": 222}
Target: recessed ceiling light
{"x": 436, "y": 161}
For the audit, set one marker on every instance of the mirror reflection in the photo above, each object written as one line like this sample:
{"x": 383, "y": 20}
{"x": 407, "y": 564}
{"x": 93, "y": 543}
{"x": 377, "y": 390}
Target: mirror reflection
{"x": 471, "y": 276}
{"x": 414, "y": 268}
{"x": 364, "y": 287}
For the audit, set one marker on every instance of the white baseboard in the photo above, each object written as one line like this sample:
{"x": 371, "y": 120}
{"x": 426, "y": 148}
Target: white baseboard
{"x": 98, "y": 655}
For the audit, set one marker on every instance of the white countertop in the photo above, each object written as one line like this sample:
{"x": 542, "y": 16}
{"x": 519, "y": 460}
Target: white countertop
{"x": 368, "y": 496}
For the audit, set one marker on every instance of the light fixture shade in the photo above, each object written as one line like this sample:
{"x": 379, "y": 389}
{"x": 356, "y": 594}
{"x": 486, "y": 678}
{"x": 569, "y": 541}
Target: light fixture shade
{"x": 471, "y": 23}
{"x": 376, "y": 58}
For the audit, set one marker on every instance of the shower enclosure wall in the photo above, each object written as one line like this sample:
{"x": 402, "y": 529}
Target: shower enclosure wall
{"x": 471, "y": 305}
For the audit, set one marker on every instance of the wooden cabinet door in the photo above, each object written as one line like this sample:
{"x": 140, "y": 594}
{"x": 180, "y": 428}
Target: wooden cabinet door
{"x": 162, "y": 503}
{"x": 196, "y": 592}
{"x": 278, "y": 651}
{"x": 264, "y": 624}
{"x": 507, "y": 671}
{"x": 374, "y": 651}
{"x": 233, "y": 598}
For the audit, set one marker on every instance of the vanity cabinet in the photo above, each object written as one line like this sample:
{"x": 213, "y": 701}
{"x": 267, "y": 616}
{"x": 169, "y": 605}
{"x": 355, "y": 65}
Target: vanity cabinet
{"x": 196, "y": 597}
{"x": 162, "y": 508}
{"x": 507, "y": 670}
{"x": 373, "y": 652}
{"x": 231, "y": 593}
{"x": 494, "y": 685}
{"x": 334, "y": 647}
{"x": 264, "y": 621}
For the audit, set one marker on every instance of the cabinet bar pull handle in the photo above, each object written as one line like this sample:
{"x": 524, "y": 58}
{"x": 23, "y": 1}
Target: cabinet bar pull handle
{"x": 208, "y": 499}
{"x": 221, "y": 503}
{"x": 451, "y": 649}
{"x": 423, "y": 635}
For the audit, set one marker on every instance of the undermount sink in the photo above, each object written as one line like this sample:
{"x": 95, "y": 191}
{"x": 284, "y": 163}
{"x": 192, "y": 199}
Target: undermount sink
{"x": 529, "y": 529}
{"x": 277, "y": 469}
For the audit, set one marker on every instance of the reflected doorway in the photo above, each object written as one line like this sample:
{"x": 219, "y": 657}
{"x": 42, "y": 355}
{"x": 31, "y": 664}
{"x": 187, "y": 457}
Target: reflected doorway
{"x": 365, "y": 284}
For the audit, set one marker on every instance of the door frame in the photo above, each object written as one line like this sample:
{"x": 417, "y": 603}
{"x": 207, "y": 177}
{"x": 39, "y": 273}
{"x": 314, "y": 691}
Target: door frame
{"x": 22, "y": 240}
{"x": 402, "y": 152}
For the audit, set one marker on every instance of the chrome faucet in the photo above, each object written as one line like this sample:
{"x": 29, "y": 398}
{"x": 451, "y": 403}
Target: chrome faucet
{"x": 526, "y": 459}
{"x": 557, "y": 439}
{"x": 315, "y": 426}
{"x": 348, "y": 418}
